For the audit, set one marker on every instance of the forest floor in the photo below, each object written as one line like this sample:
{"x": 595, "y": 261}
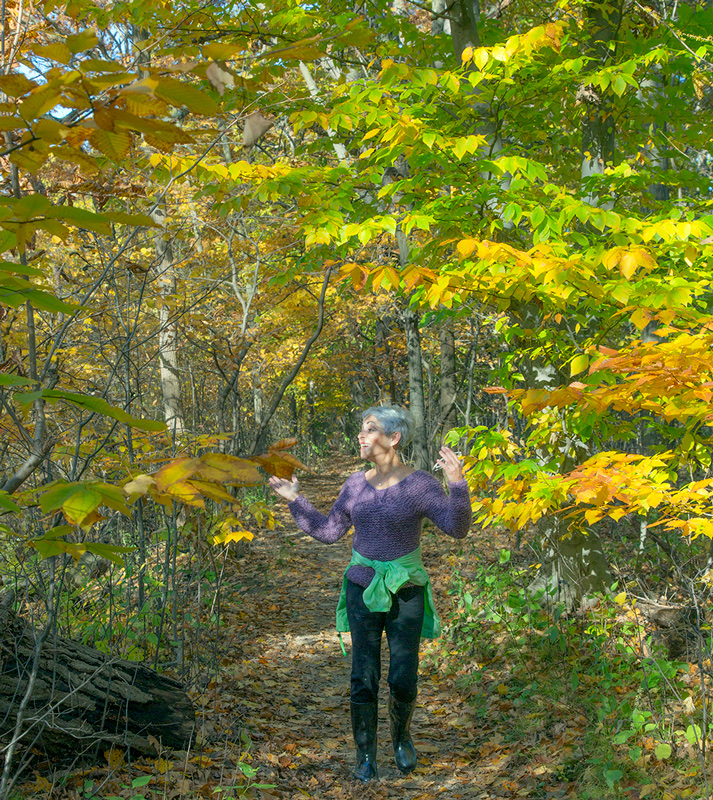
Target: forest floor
{"x": 285, "y": 685}
{"x": 274, "y": 720}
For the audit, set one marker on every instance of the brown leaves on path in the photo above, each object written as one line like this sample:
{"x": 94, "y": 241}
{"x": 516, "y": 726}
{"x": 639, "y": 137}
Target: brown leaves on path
{"x": 287, "y": 683}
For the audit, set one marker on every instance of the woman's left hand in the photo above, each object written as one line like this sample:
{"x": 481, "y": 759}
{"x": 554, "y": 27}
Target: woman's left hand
{"x": 450, "y": 463}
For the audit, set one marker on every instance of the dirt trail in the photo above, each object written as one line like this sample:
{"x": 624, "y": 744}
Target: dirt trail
{"x": 291, "y": 690}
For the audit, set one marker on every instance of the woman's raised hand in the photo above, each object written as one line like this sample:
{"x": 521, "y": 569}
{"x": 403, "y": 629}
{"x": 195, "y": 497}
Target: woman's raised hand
{"x": 450, "y": 464}
{"x": 288, "y": 489}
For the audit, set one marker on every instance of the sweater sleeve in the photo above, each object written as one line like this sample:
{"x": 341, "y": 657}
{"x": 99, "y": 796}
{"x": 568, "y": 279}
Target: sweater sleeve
{"x": 451, "y": 512}
{"x": 327, "y": 529}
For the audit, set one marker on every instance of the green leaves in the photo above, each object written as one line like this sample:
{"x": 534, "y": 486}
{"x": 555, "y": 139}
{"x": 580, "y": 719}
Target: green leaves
{"x": 96, "y": 404}
{"x": 79, "y": 502}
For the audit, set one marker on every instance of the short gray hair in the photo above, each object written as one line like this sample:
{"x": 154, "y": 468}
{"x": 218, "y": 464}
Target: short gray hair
{"x": 393, "y": 419}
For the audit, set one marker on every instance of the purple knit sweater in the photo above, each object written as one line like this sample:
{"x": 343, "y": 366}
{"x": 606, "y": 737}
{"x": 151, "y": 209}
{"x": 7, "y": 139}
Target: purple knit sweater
{"x": 387, "y": 522}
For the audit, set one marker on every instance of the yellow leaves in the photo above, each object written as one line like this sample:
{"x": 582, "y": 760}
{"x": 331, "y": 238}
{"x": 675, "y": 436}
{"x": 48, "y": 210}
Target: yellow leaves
{"x": 79, "y": 506}
{"x": 56, "y": 51}
{"x": 387, "y": 276}
{"x": 51, "y": 131}
{"x": 466, "y": 144}
{"x": 40, "y": 101}
{"x": 440, "y": 292}
{"x": 690, "y": 254}
{"x": 11, "y": 123}
{"x": 579, "y": 364}
{"x": 549, "y": 35}
{"x": 84, "y": 40}
{"x": 231, "y": 530}
{"x": 113, "y": 145}
{"x": 175, "y": 471}
{"x": 114, "y": 758}
{"x": 354, "y": 273}
{"x": 79, "y": 501}
{"x": 162, "y": 766}
{"x": 144, "y": 86}
{"x": 222, "y": 51}
{"x": 628, "y": 260}
{"x": 640, "y": 318}
{"x": 183, "y": 491}
{"x": 303, "y": 50}
{"x": 181, "y": 93}
{"x": 15, "y": 84}
{"x": 466, "y": 247}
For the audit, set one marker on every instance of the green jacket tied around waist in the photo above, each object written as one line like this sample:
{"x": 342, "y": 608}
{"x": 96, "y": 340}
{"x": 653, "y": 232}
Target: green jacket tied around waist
{"x": 389, "y": 577}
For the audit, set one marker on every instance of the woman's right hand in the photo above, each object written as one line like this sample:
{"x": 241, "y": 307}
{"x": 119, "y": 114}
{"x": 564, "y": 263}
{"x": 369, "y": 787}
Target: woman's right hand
{"x": 290, "y": 490}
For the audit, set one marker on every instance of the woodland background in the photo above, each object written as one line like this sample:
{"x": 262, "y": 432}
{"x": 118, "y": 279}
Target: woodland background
{"x": 225, "y": 228}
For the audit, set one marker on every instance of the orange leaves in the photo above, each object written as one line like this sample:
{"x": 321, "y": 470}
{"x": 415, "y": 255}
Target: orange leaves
{"x": 672, "y": 379}
{"x": 277, "y": 462}
{"x": 354, "y": 273}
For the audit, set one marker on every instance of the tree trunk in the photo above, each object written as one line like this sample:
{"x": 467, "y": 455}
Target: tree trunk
{"x": 168, "y": 332}
{"x": 415, "y": 384}
{"x": 84, "y": 700}
{"x": 387, "y": 381}
{"x": 572, "y": 568}
{"x": 448, "y": 380}
{"x": 598, "y": 127}
{"x": 258, "y": 393}
{"x": 652, "y": 93}
{"x": 464, "y": 20}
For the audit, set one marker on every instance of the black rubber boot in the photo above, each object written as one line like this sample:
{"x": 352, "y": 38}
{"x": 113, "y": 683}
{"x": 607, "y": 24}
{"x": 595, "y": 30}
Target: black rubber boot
{"x": 400, "y": 716}
{"x": 364, "y": 718}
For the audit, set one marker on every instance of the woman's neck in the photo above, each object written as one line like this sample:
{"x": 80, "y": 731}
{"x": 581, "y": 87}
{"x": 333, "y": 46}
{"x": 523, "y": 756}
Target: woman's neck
{"x": 386, "y": 465}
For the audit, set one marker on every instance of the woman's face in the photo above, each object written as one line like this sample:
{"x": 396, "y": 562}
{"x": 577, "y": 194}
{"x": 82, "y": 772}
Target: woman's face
{"x": 373, "y": 442}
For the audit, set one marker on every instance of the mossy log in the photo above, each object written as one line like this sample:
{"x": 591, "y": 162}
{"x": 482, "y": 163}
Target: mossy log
{"x": 84, "y": 701}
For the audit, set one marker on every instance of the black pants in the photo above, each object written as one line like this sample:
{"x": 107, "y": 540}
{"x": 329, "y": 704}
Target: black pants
{"x": 403, "y": 632}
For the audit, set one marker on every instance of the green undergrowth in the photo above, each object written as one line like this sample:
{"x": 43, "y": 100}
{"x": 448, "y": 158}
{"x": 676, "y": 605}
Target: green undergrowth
{"x": 585, "y": 704}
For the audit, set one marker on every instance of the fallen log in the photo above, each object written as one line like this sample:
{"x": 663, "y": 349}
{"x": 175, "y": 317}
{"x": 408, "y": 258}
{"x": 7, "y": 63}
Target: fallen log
{"x": 84, "y": 701}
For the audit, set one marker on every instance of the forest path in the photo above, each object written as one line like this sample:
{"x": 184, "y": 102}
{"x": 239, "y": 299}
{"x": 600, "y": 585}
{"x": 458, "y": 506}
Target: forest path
{"x": 287, "y": 687}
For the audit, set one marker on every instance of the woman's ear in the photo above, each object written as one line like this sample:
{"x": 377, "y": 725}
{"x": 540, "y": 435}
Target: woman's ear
{"x": 395, "y": 439}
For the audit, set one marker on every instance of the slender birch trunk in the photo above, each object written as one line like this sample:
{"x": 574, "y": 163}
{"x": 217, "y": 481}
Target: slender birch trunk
{"x": 168, "y": 330}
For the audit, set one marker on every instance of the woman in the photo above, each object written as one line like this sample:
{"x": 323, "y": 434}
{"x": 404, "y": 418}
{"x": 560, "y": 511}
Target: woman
{"x": 385, "y": 588}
